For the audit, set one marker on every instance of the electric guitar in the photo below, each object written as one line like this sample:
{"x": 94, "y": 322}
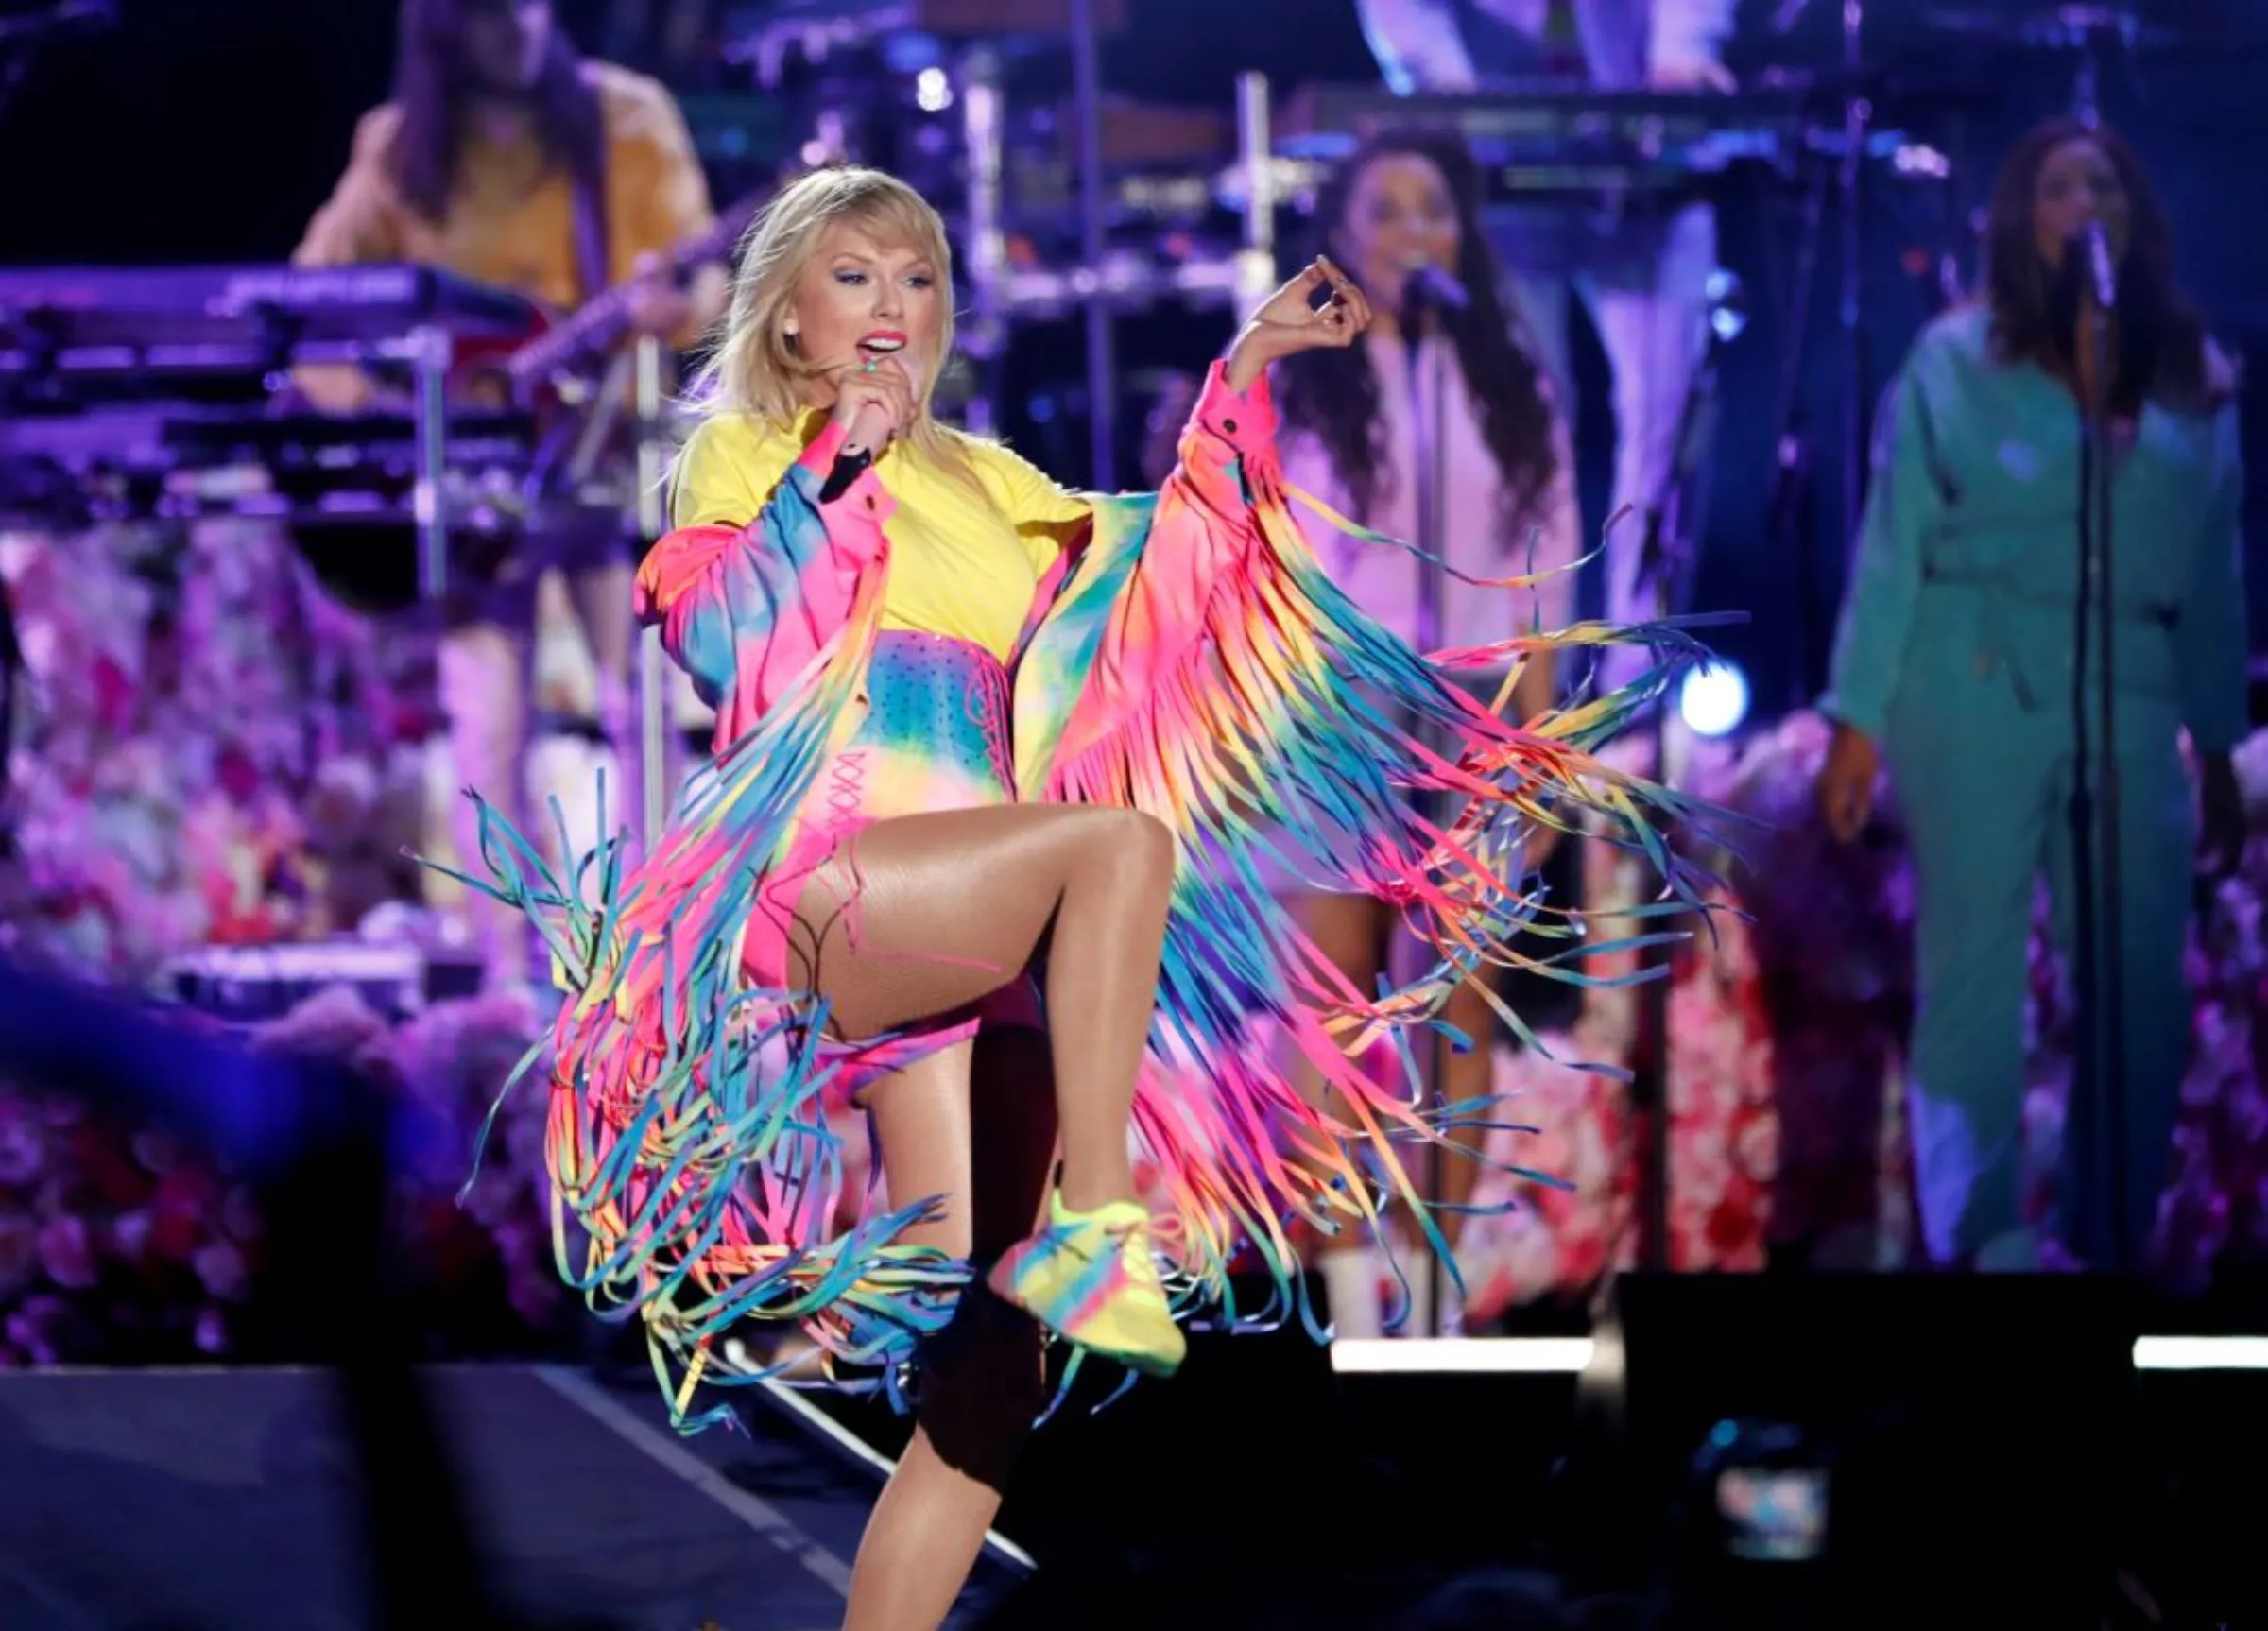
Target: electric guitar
{"x": 529, "y": 370}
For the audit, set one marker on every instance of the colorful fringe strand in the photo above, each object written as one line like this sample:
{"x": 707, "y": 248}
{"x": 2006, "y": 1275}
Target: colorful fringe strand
{"x": 1196, "y": 663}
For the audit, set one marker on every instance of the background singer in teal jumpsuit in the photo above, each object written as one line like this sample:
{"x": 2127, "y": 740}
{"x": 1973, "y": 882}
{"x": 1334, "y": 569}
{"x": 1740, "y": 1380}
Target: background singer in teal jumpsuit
{"x": 1957, "y": 661}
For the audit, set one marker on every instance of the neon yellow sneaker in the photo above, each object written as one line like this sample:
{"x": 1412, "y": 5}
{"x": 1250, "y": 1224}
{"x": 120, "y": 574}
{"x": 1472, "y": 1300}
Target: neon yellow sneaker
{"x": 1090, "y": 1277}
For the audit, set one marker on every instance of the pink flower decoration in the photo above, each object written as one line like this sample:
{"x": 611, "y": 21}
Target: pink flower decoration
{"x": 220, "y": 1267}
{"x": 67, "y": 1254}
{"x": 212, "y": 1332}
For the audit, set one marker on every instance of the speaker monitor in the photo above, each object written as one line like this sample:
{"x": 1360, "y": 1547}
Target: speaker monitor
{"x": 1961, "y": 1436}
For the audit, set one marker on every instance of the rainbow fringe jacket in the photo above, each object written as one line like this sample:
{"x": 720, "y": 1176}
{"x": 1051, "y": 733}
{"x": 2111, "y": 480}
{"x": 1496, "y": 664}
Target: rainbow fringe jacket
{"x": 1189, "y": 659}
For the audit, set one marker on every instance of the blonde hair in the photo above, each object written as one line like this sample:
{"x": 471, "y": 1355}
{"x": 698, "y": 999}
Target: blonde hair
{"x": 757, "y": 368}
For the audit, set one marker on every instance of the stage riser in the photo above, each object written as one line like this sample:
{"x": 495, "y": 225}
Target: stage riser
{"x": 1261, "y": 1460}
{"x": 228, "y": 1500}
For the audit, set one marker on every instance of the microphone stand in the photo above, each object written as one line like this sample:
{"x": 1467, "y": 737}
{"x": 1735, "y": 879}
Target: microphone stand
{"x": 1663, "y": 562}
{"x": 1792, "y": 521}
{"x": 1420, "y": 323}
{"x": 2099, "y": 987}
{"x": 1858, "y": 116}
{"x": 655, "y": 749}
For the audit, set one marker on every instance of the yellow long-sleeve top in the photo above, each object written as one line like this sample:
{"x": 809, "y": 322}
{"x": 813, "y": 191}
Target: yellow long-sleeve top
{"x": 958, "y": 566}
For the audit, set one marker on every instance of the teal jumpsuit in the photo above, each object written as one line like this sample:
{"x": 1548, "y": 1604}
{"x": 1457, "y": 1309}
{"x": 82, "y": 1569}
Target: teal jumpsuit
{"x": 1958, "y": 653}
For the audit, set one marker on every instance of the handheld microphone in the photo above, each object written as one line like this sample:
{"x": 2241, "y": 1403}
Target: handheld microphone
{"x": 868, "y": 432}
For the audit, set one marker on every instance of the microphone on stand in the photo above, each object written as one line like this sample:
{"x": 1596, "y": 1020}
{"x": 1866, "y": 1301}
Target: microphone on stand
{"x": 2087, "y": 276}
{"x": 1426, "y": 285}
{"x": 2086, "y": 289}
{"x": 2101, "y": 277}
{"x": 2090, "y": 282}
{"x": 869, "y": 433}
{"x": 1427, "y": 291}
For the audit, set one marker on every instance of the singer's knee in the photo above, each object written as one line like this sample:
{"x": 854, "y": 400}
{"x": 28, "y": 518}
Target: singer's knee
{"x": 1135, "y": 847}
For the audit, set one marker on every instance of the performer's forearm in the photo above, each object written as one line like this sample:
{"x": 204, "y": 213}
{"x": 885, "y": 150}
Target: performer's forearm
{"x": 1249, "y": 359}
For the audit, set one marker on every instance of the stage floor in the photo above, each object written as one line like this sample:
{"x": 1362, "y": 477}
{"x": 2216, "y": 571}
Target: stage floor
{"x": 1261, "y": 1490}
{"x": 223, "y": 1499}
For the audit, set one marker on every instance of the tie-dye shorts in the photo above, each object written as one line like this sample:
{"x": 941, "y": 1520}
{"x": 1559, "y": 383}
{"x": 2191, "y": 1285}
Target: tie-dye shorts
{"x": 935, "y": 737}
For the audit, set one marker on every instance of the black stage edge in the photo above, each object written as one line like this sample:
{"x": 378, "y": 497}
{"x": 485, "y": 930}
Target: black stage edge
{"x": 1989, "y": 1462}
{"x": 1987, "y": 1454}
{"x": 1922, "y": 1441}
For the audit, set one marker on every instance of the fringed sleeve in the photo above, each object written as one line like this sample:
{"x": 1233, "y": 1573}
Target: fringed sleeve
{"x": 1126, "y": 618}
{"x": 744, "y": 610}
{"x": 695, "y": 1178}
{"x": 1218, "y": 681}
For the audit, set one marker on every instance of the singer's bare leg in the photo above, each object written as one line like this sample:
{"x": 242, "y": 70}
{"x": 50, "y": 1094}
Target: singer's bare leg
{"x": 484, "y": 686}
{"x": 920, "y": 915}
{"x": 1351, "y": 930}
{"x": 601, "y": 596}
{"x": 981, "y": 1131}
{"x": 1465, "y": 1078}
{"x": 1347, "y": 930}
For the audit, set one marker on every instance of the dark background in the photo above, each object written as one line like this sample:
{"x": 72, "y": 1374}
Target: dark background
{"x": 208, "y": 130}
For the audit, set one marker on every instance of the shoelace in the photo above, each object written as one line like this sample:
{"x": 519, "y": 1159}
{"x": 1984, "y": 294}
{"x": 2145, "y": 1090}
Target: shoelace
{"x": 1138, "y": 1243}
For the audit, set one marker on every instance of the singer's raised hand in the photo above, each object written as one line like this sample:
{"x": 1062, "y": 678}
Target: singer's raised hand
{"x": 874, "y": 402}
{"x": 1293, "y": 322}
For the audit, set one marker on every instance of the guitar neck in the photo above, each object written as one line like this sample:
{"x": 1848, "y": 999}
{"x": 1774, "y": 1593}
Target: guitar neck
{"x": 598, "y": 321}
{"x": 601, "y": 320}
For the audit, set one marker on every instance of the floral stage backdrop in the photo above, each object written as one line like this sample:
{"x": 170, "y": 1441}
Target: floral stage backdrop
{"x": 1786, "y": 1130}
{"x": 206, "y": 751}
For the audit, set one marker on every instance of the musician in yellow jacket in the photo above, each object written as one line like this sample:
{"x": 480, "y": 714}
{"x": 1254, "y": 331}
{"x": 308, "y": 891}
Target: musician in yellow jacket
{"x": 505, "y": 158}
